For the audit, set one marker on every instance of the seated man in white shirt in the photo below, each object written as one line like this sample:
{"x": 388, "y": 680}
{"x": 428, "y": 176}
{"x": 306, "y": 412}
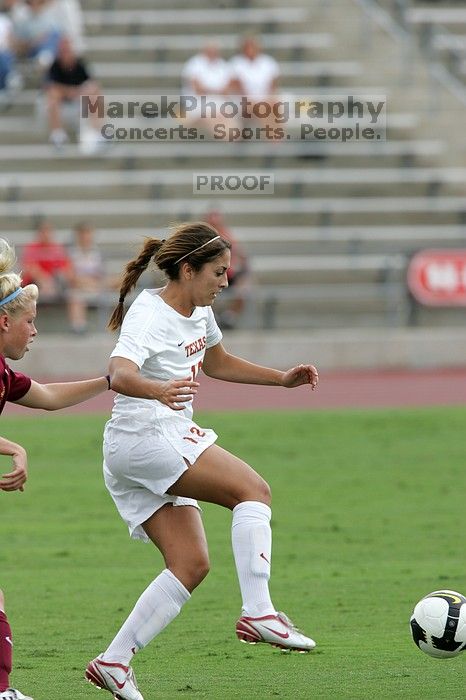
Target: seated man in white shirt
{"x": 255, "y": 76}
{"x": 207, "y": 77}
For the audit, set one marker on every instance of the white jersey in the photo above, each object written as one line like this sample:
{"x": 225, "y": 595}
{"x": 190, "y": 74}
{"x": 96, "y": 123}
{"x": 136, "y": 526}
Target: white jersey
{"x": 147, "y": 445}
{"x": 213, "y": 75}
{"x": 164, "y": 345}
{"x": 256, "y": 76}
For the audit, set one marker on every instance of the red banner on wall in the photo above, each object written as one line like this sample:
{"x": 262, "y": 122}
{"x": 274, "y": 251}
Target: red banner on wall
{"x": 438, "y": 277}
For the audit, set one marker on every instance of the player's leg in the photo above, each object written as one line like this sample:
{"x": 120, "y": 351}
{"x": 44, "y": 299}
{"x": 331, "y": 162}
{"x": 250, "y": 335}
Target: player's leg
{"x": 178, "y": 533}
{"x": 219, "y": 477}
{"x": 6, "y": 646}
{"x": 6, "y": 657}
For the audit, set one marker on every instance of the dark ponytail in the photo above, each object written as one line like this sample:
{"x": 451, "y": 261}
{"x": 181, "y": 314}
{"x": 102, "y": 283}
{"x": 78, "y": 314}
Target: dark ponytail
{"x": 133, "y": 271}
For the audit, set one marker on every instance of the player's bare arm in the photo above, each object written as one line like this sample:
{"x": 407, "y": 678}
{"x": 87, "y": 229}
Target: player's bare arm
{"x": 220, "y": 364}
{"x": 52, "y": 397}
{"x": 14, "y": 480}
{"x": 125, "y": 378}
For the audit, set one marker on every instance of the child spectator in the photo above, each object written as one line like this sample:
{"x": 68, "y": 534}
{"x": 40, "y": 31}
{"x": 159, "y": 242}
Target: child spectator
{"x": 89, "y": 276}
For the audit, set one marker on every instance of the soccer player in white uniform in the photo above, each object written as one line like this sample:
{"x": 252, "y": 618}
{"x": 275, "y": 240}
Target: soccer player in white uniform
{"x": 157, "y": 460}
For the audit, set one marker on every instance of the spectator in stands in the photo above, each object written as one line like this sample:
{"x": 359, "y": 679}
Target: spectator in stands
{"x": 6, "y": 50}
{"x": 255, "y": 75}
{"x": 208, "y": 74}
{"x": 234, "y": 299}
{"x": 89, "y": 276}
{"x": 46, "y": 263}
{"x": 68, "y": 78}
{"x": 36, "y": 30}
{"x": 70, "y": 18}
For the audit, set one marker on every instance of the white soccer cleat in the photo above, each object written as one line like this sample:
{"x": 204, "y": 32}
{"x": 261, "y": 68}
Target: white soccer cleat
{"x": 277, "y": 630}
{"x": 14, "y": 694}
{"x": 114, "y": 677}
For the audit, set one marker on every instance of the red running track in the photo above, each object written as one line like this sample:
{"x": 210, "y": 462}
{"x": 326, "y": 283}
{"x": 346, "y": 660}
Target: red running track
{"x": 364, "y": 389}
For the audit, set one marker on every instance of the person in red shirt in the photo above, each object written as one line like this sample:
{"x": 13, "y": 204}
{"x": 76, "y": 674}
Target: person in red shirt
{"x": 17, "y": 332}
{"x": 46, "y": 263}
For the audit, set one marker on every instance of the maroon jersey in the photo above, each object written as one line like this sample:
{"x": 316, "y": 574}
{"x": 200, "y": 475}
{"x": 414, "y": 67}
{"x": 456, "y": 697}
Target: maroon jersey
{"x": 13, "y": 385}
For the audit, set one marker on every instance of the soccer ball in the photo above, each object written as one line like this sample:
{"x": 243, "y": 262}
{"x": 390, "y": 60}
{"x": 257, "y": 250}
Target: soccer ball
{"x": 438, "y": 624}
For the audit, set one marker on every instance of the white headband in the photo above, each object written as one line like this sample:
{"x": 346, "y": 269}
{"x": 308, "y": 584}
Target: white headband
{"x": 196, "y": 249}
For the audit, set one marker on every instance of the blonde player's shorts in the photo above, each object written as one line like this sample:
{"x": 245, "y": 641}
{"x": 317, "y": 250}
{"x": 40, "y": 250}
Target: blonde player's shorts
{"x": 142, "y": 461}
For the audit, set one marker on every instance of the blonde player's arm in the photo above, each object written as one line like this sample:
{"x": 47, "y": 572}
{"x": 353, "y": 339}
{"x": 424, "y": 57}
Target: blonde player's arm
{"x": 220, "y": 364}
{"x": 52, "y": 397}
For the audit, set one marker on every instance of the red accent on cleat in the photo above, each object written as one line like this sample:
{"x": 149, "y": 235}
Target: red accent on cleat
{"x": 277, "y": 630}
{"x": 114, "y": 677}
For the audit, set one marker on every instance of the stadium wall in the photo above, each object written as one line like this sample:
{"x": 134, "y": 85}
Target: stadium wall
{"x": 66, "y": 356}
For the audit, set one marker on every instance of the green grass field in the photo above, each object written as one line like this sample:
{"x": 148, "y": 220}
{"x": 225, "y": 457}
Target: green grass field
{"x": 369, "y": 516}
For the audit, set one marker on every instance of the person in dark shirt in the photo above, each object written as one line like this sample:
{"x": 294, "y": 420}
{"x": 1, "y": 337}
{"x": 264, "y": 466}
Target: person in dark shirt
{"x": 17, "y": 332}
{"x": 68, "y": 78}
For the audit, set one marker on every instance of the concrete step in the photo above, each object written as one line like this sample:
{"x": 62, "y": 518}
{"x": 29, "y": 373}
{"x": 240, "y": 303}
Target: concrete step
{"x": 115, "y": 242}
{"x": 121, "y": 184}
{"x": 158, "y": 47}
{"x": 240, "y": 211}
{"x": 143, "y": 21}
{"x": 135, "y": 154}
{"x": 134, "y": 71}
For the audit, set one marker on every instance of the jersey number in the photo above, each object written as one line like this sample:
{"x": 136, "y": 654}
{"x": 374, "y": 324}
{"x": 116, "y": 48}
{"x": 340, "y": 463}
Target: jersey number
{"x": 195, "y": 369}
{"x": 195, "y": 431}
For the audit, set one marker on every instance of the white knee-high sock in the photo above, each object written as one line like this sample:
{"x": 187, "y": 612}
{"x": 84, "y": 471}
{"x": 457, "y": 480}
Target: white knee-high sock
{"x": 158, "y": 605}
{"x": 251, "y": 539}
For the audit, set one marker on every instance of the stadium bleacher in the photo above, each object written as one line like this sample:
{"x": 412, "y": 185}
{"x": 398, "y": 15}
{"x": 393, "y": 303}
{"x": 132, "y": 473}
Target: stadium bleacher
{"x": 331, "y": 246}
{"x": 439, "y": 28}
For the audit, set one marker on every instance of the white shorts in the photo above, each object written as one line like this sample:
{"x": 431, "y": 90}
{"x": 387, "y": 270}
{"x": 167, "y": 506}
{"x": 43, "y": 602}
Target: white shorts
{"x": 142, "y": 461}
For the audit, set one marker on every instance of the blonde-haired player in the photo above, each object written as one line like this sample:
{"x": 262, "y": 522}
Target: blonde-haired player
{"x": 17, "y": 332}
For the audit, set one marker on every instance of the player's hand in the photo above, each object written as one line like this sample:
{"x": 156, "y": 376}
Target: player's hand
{"x": 15, "y": 480}
{"x": 177, "y": 392}
{"x": 302, "y": 374}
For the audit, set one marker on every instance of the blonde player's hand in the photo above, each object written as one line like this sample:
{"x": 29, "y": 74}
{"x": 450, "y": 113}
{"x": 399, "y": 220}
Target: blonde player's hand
{"x": 302, "y": 374}
{"x": 177, "y": 392}
{"x": 15, "y": 480}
